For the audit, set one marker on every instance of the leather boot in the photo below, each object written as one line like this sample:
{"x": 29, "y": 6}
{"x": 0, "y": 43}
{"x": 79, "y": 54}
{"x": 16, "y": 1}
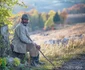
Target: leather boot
{"x": 33, "y": 62}
{"x": 37, "y": 61}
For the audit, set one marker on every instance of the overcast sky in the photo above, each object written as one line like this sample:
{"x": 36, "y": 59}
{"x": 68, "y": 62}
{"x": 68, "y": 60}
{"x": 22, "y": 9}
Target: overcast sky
{"x": 44, "y": 5}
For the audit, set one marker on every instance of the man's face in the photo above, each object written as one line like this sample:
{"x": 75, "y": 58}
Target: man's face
{"x": 25, "y": 20}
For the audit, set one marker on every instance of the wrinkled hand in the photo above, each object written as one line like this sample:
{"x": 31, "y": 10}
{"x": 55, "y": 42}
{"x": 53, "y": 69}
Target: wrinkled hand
{"x": 37, "y": 46}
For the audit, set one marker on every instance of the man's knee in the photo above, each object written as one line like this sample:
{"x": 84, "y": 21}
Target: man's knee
{"x": 34, "y": 53}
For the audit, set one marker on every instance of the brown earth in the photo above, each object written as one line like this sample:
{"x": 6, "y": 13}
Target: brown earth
{"x": 77, "y": 63}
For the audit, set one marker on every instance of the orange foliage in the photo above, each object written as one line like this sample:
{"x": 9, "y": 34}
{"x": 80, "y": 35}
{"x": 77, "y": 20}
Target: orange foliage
{"x": 64, "y": 14}
{"x": 78, "y": 8}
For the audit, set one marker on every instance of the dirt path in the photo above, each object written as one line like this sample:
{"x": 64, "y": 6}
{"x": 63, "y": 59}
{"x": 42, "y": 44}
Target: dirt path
{"x": 77, "y": 63}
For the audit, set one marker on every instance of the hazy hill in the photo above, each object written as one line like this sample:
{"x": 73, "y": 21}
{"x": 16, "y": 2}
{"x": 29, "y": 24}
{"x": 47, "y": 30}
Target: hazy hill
{"x": 78, "y": 8}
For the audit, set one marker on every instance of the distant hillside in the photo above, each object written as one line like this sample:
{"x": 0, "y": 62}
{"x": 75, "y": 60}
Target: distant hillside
{"x": 76, "y": 9}
{"x": 75, "y": 18}
{"x": 72, "y": 31}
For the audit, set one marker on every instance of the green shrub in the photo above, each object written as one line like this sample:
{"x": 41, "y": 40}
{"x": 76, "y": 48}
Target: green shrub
{"x": 16, "y": 62}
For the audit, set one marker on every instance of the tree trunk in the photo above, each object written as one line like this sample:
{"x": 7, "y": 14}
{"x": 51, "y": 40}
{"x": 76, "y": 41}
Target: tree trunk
{"x": 4, "y": 40}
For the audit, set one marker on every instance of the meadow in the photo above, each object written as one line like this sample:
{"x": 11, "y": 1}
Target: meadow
{"x": 59, "y": 54}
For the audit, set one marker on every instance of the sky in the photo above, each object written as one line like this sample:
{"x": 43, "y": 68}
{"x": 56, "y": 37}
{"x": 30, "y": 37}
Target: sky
{"x": 44, "y": 5}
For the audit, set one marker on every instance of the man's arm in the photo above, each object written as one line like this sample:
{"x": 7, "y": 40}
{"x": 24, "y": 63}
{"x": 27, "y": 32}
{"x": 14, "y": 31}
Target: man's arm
{"x": 22, "y": 36}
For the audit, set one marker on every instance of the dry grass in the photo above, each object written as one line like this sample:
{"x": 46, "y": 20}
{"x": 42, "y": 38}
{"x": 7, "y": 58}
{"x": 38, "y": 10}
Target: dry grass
{"x": 59, "y": 54}
{"x": 55, "y": 50}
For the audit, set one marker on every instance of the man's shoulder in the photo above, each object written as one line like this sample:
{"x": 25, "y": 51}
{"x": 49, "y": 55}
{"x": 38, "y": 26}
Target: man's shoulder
{"x": 19, "y": 25}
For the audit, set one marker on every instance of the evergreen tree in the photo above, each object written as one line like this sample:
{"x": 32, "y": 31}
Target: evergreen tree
{"x": 56, "y": 18}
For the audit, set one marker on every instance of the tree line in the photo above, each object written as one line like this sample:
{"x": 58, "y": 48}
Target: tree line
{"x": 42, "y": 20}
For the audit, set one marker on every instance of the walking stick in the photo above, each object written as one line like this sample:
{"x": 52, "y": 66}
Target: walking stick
{"x": 45, "y": 56}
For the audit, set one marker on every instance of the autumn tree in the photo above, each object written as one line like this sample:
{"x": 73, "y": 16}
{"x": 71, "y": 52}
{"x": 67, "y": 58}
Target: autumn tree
{"x": 51, "y": 13}
{"x": 5, "y": 12}
{"x": 63, "y": 15}
{"x": 49, "y": 23}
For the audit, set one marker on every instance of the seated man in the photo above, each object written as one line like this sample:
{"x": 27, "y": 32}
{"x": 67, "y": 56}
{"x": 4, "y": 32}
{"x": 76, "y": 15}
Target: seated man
{"x": 22, "y": 43}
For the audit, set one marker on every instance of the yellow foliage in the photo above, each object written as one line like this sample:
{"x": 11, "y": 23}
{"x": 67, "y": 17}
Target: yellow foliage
{"x": 51, "y": 13}
{"x": 16, "y": 62}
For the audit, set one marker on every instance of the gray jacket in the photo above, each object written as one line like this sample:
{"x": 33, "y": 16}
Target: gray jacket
{"x": 21, "y": 38}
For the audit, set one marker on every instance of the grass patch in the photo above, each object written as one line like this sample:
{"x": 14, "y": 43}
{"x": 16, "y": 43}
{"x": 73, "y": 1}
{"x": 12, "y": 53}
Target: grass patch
{"x": 59, "y": 54}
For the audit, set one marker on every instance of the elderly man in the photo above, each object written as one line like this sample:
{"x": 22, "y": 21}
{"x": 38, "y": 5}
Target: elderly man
{"x": 22, "y": 43}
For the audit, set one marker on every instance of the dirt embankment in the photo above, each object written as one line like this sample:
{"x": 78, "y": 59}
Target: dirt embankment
{"x": 77, "y": 63}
